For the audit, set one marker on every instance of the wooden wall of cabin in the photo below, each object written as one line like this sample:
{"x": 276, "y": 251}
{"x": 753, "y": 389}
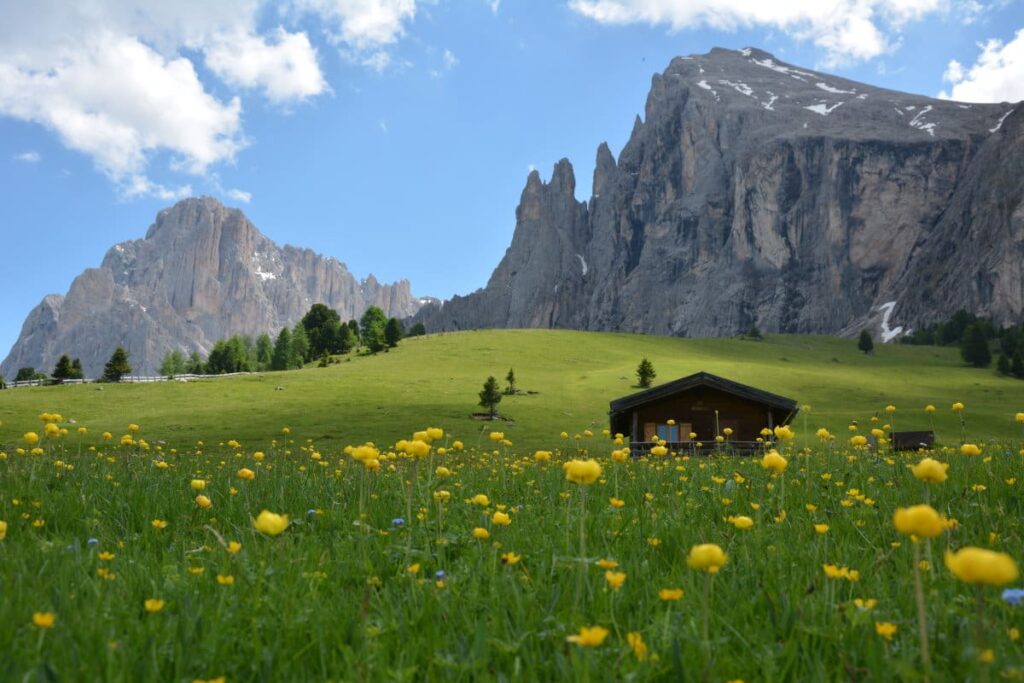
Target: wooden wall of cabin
{"x": 697, "y": 408}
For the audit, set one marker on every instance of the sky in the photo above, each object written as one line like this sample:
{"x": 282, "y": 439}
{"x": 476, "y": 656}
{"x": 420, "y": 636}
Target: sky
{"x": 395, "y": 135}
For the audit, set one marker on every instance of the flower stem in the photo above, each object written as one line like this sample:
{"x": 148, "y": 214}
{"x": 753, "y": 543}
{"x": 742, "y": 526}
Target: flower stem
{"x": 922, "y": 620}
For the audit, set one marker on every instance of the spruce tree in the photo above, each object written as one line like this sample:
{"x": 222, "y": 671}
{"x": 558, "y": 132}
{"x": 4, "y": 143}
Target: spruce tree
{"x": 1003, "y": 365}
{"x": 1017, "y": 364}
{"x": 511, "y": 379}
{"x": 417, "y": 330}
{"x": 117, "y": 367}
{"x": 645, "y": 373}
{"x": 76, "y": 369}
{"x": 393, "y": 332}
{"x": 300, "y": 347}
{"x": 282, "y": 350}
{"x": 264, "y": 352}
{"x": 490, "y": 397}
{"x": 62, "y": 371}
{"x": 866, "y": 343}
{"x": 974, "y": 347}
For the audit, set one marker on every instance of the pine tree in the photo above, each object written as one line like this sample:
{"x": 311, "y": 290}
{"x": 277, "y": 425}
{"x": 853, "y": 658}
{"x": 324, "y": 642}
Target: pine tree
{"x": 282, "y": 350}
{"x": 490, "y": 397}
{"x": 264, "y": 352}
{"x": 76, "y": 369}
{"x": 974, "y": 347}
{"x": 173, "y": 364}
{"x": 417, "y": 330}
{"x": 1017, "y": 364}
{"x": 1003, "y": 365}
{"x": 62, "y": 371}
{"x": 117, "y": 367}
{"x": 645, "y": 373}
{"x": 866, "y": 343}
{"x": 511, "y": 379}
{"x": 300, "y": 347}
{"x": 195, "y": 365}
{"x": 371, "y": 326}
{"x": 393, "y": 332}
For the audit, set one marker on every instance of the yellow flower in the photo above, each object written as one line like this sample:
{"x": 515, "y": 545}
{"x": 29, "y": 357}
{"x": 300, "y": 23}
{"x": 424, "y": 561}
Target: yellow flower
{"x": 706, "y": 557}
{"x": 1019, "y": 417}
{"x": 481, "y": 534}
{"x": 246, "y": 473}
{"x": 106, "y": 556}
{"x": 542, "y": 456}
{"x": 977, "y": 565}
{"x": 774, "y": 462}
{"x": 742, "y": 522}
{"x": 607, "y": 564}
{"x": 589, "y": 636}
{"x": 970, "y": 449}
{"x": 615, "y": 579}
{"x": 863, "y": 604}
{"x": 885, "y": 629}
{"x": 823, "y": 434}
{"x": 44, "y": 619}
{"x": 931, "y": 471}
{"x": 659, "y": 451}
{"x": 636, "y": 642}
{"x": 858, "y": 440}
{"x": 198, "y": 484}
{"x": 225, "y": 580}
{"x": 153, "y": 605}
{"x": 443, "y": 471}
{"x": 159, "y": 524}
{"x": 234, "y": 547}
{"x": 501, "y": 519}
{"x": 919, "y": 520}
{"x": 442, "y": 496}
{"x": 435, "y": 433}
{"x": 957, "y": 407}
{"x": 413, "y": 568}
{"x": 616, "y": 502}
{"x": 510, "y": 558}
{"x": 1014, "y": 634}
{"x": 196, "y": 570}
{"x": 480, "y": 499}
{"x": 582, "y": 471}
{"x": 3, "y": 530}
{"x": 784, "y": 433}
{"x": 670, "y": 594}
{"x": 270, "y": 523}
{"x": 204, "y": 502}
{"x": 821, "y": 528}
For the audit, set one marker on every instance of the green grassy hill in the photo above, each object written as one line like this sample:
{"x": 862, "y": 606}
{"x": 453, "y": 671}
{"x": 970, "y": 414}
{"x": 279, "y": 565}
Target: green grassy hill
{"x": 434, "y": 380}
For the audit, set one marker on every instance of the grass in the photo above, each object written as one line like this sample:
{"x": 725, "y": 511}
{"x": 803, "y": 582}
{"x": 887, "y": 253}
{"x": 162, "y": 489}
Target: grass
{"x": 575, "y": 375}
{"x": 379, "y": 576}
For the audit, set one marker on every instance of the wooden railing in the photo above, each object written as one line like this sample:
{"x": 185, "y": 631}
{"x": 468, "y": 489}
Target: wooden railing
{"x": 127, "y": 379}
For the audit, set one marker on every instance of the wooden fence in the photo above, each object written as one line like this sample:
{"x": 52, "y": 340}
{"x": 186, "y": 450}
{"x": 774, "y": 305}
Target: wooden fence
{"x": 127, "y": 379}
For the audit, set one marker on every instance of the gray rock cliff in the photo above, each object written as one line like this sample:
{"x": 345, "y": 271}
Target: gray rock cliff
{"x": 202, "y": 273}
{"x": 757, "y": 192}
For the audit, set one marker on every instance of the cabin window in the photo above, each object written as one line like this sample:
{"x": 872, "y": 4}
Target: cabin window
{"x": 667, "y": 432}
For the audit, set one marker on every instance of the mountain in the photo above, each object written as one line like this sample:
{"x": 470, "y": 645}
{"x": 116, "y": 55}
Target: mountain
{"x": 754, "y": 192}
{"x": 202, "y": 273}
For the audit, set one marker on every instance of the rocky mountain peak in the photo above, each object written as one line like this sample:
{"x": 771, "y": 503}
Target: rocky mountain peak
{"x": 203, "y": 272}
{"x": 755, "y": 191}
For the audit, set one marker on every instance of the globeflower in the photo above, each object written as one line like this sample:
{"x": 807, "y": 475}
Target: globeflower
{"x": 270, "y": 523}
{"x": 823, "y": 434}
{"x": 153, "y": 605}
{"x": 198, "y": 484}
{"x": 615, "y": 579}
{"x": 706, "y": 557}
{"x": 969, "y": 449}
{"x": 501, "y": 519}
{"x": 542, "y": 456}
{"x": 978, "y": 565}
{"x": 246, "y": 473}
{"x": 774, "y": 462}
{"x": 919, "y": 520}
{"x": 784, "y": 433}
{"x": 204, "y": 502}
{"x": 930, "y": 470}
{"x": 659, "y": 451}
{"x": 582, "y": 471}
{"x": 481, "y": 534}
{"x": 31, "y": 438}
{"x": 957, "y": 407}
{"x": 742, "y": 522}
{"x": 589, "y": 636}
{"x": 44, "y": 620}
{"x": 3, "y": 530}
{"x": 670, "y": 594}
{"x": 480, "y": 499}
{"x": 858, "y": 440}
{"x": 885, "y": 629}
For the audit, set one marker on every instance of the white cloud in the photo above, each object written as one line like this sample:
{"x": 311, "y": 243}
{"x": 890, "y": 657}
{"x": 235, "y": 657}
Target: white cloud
{"x": 363, "y": 27}
{"x": 239, "y": 195}
{"x": 848, "y": 30}
{"x": 494, "y": 5}
{"x": 285, "y": 69}
{"x": 29, "y": 157}
{"x": 117, "y": 79}
{"x": 996, "y": 76}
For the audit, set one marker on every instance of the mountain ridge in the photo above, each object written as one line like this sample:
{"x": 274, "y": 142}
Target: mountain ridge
{"x": 755, "y": 192}
{"x": 203, "y": 272}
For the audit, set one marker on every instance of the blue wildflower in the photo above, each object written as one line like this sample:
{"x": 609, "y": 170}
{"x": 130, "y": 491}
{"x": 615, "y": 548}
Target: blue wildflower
{"x": 92, "y": 542}
{"x": 440, "y": 575}
{"x": 398, "y": 521}
{"x": 1013, "y": 596}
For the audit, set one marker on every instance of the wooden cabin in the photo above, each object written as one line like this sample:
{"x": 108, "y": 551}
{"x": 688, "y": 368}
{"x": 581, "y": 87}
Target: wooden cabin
{"x": 703, "y": 404}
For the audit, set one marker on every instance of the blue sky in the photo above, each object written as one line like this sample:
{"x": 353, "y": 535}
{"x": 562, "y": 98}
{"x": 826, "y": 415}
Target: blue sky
{"x": 395, "y": 135}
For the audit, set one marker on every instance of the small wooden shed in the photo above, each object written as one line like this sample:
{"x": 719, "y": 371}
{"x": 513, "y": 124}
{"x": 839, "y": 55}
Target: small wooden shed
{"x": 703, "y": 404}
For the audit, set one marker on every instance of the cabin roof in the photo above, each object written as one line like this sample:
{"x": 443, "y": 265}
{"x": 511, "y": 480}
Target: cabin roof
{"x": 705, "y": 379}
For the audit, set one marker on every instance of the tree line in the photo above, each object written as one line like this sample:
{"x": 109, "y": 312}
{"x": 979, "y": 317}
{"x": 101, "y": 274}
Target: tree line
{"x": 979, "y": 340}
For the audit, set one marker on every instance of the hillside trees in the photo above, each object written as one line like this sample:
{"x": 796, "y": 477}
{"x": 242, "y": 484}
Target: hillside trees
{"x": 371, "y": 327}
{"x": 174, "y": 363}
{"x": 974, "y": 347}
{"x": 67, "y": 369}
{"x": 117, "y": 367}
{"x": 323, "y": 328}
{"x": 393, "y": 333}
